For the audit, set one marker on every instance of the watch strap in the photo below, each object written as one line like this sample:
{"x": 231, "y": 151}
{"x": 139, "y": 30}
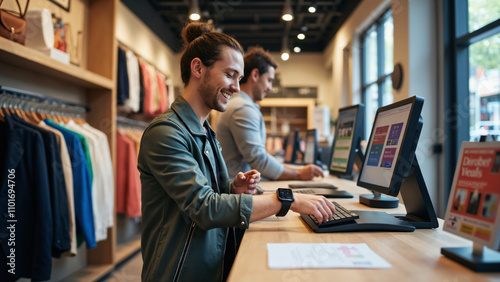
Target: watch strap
{"x": 285, "y": 206}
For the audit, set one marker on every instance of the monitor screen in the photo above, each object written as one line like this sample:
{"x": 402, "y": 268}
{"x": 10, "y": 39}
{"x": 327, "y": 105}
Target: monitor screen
{"x": 311, "y": 147}
{"x": 292, "y": 146}
{"x": 348, "y": 135}
{"x": 391, "y": 146}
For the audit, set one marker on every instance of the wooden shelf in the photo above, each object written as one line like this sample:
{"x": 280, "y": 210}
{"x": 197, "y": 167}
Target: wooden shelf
{"x": 297, "y": 112}
{"x": 23, "y": 57}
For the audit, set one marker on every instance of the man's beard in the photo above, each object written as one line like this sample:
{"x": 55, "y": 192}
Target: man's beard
{"x": 210, "y": 95}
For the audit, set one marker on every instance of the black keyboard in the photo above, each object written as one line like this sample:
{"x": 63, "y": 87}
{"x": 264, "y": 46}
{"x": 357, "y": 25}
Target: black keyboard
{"x": 312, "y": 184}
{"x": 341, "y": 215}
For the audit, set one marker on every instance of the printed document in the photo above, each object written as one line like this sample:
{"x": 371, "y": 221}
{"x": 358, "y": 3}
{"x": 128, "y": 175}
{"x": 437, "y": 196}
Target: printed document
{"x": 323, "y": 255}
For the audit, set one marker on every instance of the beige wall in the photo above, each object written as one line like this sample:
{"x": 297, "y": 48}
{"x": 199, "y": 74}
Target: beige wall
{"x": 306, "y": 69}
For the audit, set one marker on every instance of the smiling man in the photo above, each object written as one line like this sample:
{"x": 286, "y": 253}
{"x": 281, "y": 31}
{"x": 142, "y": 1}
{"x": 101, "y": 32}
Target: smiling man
{"x": 189, "y": 205}
{"x": 241, "y": 129}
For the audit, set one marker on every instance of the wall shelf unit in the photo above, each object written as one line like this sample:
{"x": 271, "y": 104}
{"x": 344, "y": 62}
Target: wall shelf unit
{"x": 94, "y": 86}
{"x": 23, "y": 57}
{"x": 296, "y": 112}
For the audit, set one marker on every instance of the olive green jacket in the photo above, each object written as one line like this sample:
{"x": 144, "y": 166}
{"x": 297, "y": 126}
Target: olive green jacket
{"x": 184, "y": 219}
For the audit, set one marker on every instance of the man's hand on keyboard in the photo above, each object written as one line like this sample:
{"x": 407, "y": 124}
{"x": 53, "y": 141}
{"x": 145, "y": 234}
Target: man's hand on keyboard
{"x": 318, "y": 206}
{"x": 310, "y": 171}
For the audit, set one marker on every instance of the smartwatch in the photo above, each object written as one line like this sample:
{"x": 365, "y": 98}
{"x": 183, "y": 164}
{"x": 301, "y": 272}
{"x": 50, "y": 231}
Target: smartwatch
{"x": 285, "y": 195}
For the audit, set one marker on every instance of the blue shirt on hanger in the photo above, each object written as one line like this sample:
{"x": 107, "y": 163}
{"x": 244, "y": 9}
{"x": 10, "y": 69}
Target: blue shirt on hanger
{"x": 82, "y": 185}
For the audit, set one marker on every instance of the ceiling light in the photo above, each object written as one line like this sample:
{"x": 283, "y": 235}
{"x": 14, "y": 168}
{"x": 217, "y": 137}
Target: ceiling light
{"x": 287, "y": 11}
{"x": 297, "y": 49}
{"x": 301, "y": 36}
{"x": 285, "y": 55}
{"x": 194, "y": 11}
{"x": 312, "y": 8}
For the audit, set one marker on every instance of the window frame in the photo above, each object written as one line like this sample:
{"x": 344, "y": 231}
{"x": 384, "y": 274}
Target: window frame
{"x": 381, "y": 76}
{"x": 457, "y": 40}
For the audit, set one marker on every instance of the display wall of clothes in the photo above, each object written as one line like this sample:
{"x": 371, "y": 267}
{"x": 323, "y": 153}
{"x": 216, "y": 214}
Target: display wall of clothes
{"x": 140, "y": 86}
{"x": 128, "y": 184}
{"x": 57, "y": 186}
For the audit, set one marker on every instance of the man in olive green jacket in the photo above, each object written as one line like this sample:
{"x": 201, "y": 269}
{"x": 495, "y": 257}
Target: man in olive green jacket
{"x": 189, "y": 205}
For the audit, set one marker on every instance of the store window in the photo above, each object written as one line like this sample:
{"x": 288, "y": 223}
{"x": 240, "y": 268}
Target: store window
{"x": 376, "y": 66}
{"x": 472, "y": 97}
{"x": 484, "y": 71}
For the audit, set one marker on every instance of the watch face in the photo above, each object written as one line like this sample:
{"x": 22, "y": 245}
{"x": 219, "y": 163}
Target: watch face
{"x": 285, "y": 194}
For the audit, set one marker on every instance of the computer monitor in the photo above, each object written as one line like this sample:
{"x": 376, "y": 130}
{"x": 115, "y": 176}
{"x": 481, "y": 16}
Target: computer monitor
{"x": 346, "y": 148}
{"x": 311, "y": 150}
{"x": 292, "y": 146}
{"x": 390, "y": 165}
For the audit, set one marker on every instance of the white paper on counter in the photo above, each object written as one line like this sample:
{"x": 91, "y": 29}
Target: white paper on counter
{"x": 323, "y": 255}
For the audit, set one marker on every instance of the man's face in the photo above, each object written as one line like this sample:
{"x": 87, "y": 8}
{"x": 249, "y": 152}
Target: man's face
{"x": 222, "y": 79}
{"x": 263, "y": 85}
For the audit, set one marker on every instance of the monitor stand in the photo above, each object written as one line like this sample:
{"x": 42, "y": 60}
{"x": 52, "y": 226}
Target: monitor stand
{"x": 379, "y": 200}
{"x": 477, "y": 257}
{"x": 419, "y": 210}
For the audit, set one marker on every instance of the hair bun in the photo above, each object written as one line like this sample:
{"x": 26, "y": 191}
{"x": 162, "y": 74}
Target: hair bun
{"x": 194, "y": 30}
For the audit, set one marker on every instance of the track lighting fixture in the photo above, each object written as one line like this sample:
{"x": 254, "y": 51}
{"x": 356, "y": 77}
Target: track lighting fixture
{"x": 287, "y": 11}
{"x": 285, "y": 52}
{"x": 312, "y": 8}
{"x": 194, "y": 11}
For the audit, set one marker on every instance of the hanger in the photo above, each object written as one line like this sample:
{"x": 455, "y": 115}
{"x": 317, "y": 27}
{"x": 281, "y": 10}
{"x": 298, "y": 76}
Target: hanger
{"x": 2, "y": 114}
{"x": 7, "y": 105}
{"x": 31, "y": 113}
{"x": 20, "y": 110}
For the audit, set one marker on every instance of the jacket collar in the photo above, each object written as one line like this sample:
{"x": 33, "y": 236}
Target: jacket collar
{"x": 187, "y": 115}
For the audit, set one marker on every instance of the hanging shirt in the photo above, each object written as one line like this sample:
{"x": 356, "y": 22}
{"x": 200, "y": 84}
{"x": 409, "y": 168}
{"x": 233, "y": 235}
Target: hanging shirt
{"x": 29, "y": 218}
{"x": 128, "y": 187}
{"x": 61, "y": 241}
{"x": 98, "y": 181}
{"x": 163, "y": 94}
{"x": 68, "y": 179}
{"x": 122, "y": 88}
{"x": 81, "y": 185}
{"x": 133, "y": 100}
{"x": 107, "y": 171}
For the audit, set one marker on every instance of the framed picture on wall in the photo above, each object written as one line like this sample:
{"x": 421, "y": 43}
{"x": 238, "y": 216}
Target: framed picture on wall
{"x": 62, "y": 3}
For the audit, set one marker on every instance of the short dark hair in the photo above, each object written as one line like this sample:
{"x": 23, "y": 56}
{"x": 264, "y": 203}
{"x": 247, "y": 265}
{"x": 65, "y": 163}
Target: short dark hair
{"x": 202, "y": 41}
{"x": 257, "y": 58}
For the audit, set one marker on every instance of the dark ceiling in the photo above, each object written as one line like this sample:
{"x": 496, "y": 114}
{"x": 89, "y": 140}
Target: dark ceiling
{"x": 251, "y": 22}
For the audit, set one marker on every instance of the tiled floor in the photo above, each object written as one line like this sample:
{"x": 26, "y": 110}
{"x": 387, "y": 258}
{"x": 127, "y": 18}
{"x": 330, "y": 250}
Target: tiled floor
{"x": 129, "y": 271}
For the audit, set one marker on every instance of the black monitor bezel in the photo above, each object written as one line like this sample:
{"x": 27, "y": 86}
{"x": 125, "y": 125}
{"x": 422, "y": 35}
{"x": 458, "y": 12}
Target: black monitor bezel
{"x": 295, "y": 147}
{"x": 407, "y": 152}
{"x": 358, "y": 132}
{"x": 311, "y": 132}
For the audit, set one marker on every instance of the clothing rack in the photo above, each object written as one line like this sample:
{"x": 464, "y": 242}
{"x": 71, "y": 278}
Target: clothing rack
{"x": 125, "y": 47}
{"x": 131, "y": 123}
{"x": 25, "y": 100}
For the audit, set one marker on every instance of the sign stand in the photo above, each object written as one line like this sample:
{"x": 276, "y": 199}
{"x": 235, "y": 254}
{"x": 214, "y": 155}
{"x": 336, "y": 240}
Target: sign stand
{"x": 478, "y": 257}
{"x": 477, "y": 216}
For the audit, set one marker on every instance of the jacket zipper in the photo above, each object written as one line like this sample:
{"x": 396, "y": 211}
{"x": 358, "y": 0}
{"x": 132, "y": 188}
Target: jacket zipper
{"x": 184, "y": 253}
